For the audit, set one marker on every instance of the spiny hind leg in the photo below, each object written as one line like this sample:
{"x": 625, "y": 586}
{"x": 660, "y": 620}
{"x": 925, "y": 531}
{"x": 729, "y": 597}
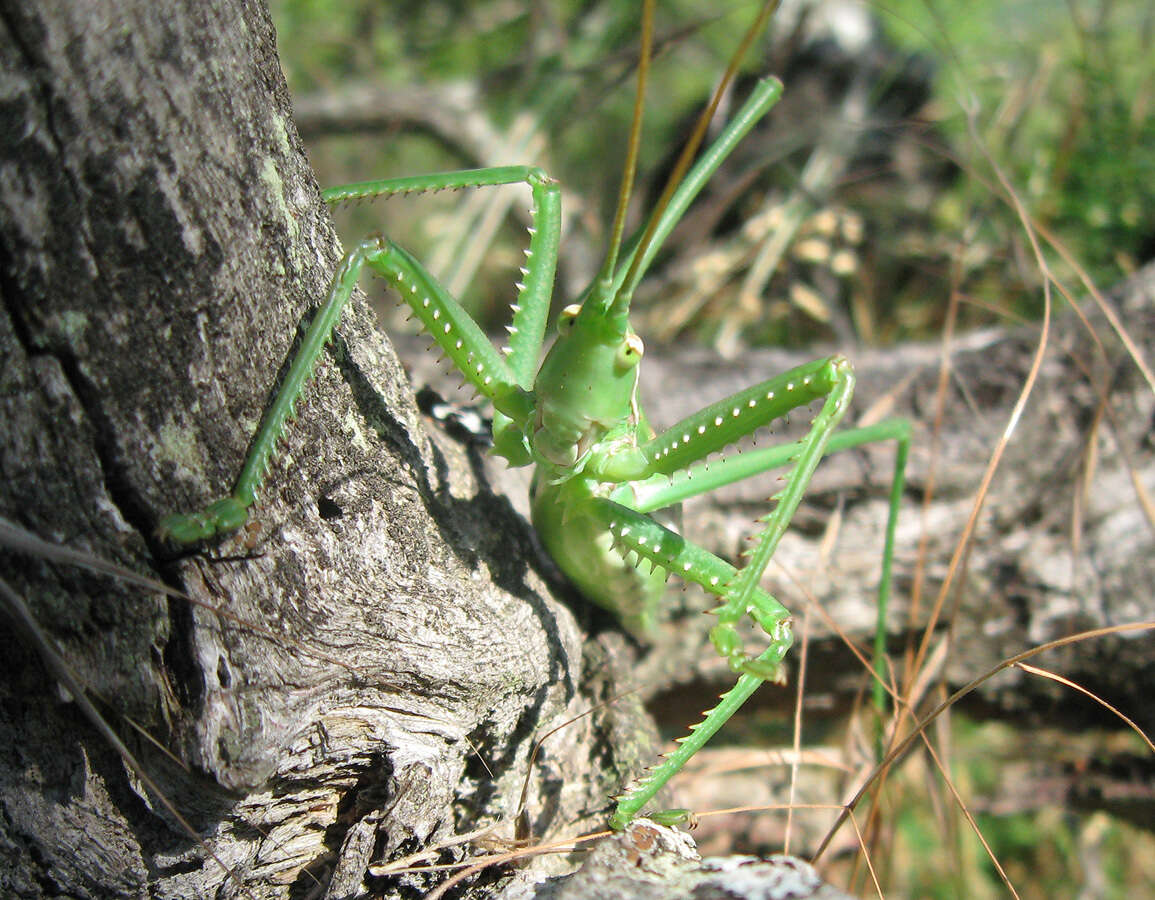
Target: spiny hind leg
{"x": 457, "y": 333}
{"x": 637, "y": 533}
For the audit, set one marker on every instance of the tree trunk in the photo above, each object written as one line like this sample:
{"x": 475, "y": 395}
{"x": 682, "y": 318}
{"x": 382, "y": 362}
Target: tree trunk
{"x": 163, "y": 239}
{"x": 379, "y": 650}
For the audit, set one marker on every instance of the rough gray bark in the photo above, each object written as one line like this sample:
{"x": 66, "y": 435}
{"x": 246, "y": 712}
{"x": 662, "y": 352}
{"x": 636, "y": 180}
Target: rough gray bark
{"x": 652, "y": 862}
{"x": 163, "y": 238}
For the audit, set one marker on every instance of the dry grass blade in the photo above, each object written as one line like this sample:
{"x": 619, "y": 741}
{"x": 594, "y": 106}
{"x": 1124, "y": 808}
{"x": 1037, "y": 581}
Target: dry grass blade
{"x": 962, "y": 806}
{"x": 1054, "y": 676}
{"x": 24, "y": 541}
{"x": 903, "y": 745}
{"x": 497, "y": 859}
{"x": 19, "y": 539}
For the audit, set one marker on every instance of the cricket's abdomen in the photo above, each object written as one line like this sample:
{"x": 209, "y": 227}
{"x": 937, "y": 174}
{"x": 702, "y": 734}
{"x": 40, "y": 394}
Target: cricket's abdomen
{"x": 581, "y": 545}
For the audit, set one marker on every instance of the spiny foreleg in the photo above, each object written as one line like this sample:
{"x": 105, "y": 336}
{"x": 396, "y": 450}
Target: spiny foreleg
{"x": 721, "y": 424}
{"x": 505, "y": 381}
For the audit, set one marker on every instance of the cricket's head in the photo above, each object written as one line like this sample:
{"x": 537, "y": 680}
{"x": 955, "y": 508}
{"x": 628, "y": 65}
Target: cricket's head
{"x": 586, "y": 391}
{"x": 587, "y": 386}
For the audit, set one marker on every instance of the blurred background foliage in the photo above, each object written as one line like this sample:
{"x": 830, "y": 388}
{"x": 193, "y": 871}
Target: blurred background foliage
{"x": 866, "y": 201}
{"x": 1063, "y": 94}
{"x": 849, "y": 216}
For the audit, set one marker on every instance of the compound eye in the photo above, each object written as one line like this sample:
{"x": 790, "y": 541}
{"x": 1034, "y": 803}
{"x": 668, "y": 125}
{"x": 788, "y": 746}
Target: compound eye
{"x": 630, "y": 352}
{"x": 566, "y": 319}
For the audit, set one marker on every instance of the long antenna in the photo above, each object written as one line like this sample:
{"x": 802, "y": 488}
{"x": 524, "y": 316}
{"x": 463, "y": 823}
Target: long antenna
{"x": 689, "y": 151}
{"x": 606, "y": 275}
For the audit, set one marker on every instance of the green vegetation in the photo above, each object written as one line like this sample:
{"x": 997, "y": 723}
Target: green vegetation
{"x": 1061, "y": 98}
{"x": 1055, "y": 95}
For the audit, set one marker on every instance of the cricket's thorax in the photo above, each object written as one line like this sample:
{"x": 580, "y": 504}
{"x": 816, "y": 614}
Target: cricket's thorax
{"x": 588, "y": 413}
{"x": 586, "y": 390}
